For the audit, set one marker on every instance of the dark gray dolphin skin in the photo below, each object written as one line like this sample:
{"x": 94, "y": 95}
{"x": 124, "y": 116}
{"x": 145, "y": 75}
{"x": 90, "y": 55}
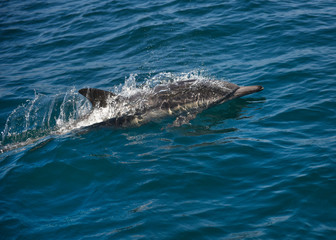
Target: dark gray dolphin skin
{"x": 184, "y": 99}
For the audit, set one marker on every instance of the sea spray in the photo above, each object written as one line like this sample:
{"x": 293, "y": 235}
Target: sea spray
{"x": 42, "y": 116}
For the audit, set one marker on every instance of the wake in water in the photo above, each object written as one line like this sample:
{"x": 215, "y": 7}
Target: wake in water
{"x": 45, "y": 115}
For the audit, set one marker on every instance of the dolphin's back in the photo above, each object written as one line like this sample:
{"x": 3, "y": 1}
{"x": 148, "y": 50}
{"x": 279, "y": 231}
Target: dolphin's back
{"x": 189, "y": 92}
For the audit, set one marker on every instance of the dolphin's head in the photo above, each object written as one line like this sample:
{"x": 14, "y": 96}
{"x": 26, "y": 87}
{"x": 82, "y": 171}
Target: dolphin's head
{"x": 202, "y": 92}
{"x": 229, "y": 91}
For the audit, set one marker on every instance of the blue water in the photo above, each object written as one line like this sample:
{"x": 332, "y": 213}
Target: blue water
{"x": 259, "y": 167}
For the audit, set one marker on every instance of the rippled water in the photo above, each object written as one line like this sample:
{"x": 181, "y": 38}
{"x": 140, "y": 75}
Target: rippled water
{"x": 259, "y": 167}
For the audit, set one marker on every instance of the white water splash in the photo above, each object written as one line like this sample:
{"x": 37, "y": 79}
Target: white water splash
{"x": 42, "y": 117}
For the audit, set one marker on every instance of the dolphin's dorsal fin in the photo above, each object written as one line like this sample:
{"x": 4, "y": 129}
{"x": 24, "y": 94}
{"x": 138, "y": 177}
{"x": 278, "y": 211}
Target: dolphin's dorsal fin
{"x": 97, "y": 97}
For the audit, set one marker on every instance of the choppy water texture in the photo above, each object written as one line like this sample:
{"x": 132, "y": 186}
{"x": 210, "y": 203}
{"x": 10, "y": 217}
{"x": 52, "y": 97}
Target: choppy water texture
{"x": 260, "y": 167}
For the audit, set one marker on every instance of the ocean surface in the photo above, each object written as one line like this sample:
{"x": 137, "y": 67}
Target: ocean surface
{"x": 259, "y": 167}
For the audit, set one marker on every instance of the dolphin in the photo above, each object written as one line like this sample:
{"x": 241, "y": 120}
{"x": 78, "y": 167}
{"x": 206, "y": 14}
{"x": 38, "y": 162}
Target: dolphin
{"x": 183, "y": 99}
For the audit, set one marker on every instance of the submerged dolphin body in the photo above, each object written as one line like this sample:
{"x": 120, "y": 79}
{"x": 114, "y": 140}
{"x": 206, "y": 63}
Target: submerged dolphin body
{"x": 184, "y": 99}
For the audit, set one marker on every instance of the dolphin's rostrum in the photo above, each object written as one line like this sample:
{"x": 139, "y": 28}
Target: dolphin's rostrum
{"x": 184, "y": 99}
